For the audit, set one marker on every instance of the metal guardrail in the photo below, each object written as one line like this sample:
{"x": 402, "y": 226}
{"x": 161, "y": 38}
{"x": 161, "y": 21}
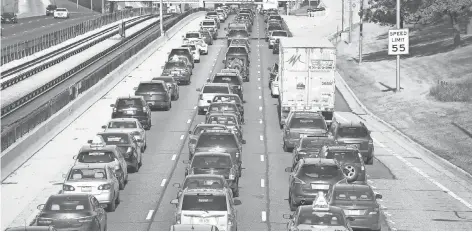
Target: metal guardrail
{"x": 23, "y": 76}
{"x": 29, "y": 47}
{"x": 15, "y": 131}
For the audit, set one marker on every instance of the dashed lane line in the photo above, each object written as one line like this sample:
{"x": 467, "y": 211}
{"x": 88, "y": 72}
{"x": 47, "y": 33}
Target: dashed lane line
{"x": 263, "y": 216}
{"x": 262, "y": 183}
{"x": 149, "y": 215}
{"x": 163, "y": 182}
{"x": 182, "y": 137}
{"x": 262, "y": 158}
{"x": 174, "y": 157}
{"x": 261, "y": 137}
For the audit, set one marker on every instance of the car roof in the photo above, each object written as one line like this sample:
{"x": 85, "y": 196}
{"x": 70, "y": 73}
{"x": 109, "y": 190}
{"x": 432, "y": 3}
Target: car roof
{"x": 217, "y": 132}
{"x": 345, "y": 148}
{"x": 351, "y": 186}
{"x": 209, "y": 125}
{"x": 123, "y": 120}
{"x": 222, "y": 114}
{"x": 205, "y": 191}
{"x": 196, "y": 176}
{"x": 129, "y": 97}
{"x": 152, "y": 82}
{"x": 211, "y": 153}
{"x": 309, "y": 208}
{"x": 90, "y": 165}
{"x": 226, "y": 74}
{"x": 320, "y": 161}
{"x": 86, "y": 148}
{"x": 216, "y": 84}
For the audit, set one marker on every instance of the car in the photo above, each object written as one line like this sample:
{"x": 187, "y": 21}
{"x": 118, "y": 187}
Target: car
{"x": 310, "y": 177}
{"x": 231, "y": 70}
{"x": 276, "y": 47}
{"x": 128, "y": 124}
{"x": 234, "y": 98}
{"x": 193, "y": 227}
{"x": 31, "y": 228}
{"x": 202, "y": 181}
{"x": 275, "y": 17}
{"x": 273, "y": 71}
{"x": 200, "y": 45}
{"x": 9, "y": 17}
{"x": 156, "y": 93}
{"x": 208, "y": 207}
{"x": 97, "y": 151}
{"x": 78, "y": 211}
{"x": 207, "y": 36}
{"x": 194, "y": 50}
{"x": 50, "y": 9}
{"x": 237, "y": 57}
{"x": 216, "y": 163}
{"x": 230, "y": 119}
{"x": 272, "y": 27}
{"x": 97, "y": 179}
{"x": 224, "y": 107}
{"x": 208, "y": 91}
{"x": 301, "y": 123}
{"x": 222, "y": 142}
{"x": 128, "y": 145}
{"x": 349, "y": 159}
{"x": 359, "y": 202}
{"x": 61, "y": 13}
{"x": 210, "y": 25}
{"x": 191, "y": 35}
{"x": 241, "y": 43}
{"x": 354, "y": 133}
{"x": 236, "y": 34}
{"x": 234, "y": 80}
{"x": 319, "y": 216}
{"x": 193, "y": 135}
{"x": 221, "y": 16}
{"x": 172, "y": 85}
{"x": 175, "y": 53}
{"x": 274, "y": 35}
{"x": 213, "y": 15}
{"x": 132, "y": 107}
{"x": 238, "y": 25}
{"x": 180, "y": 69}
{"x": 309, "y": 147}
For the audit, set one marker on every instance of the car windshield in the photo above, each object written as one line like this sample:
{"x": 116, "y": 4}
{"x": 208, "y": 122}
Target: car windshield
{"x": 172, "y": 65}
{"x": 59, "y": 9}
{"x": 87, "y": 173}
{"x": 353, "y": 132}
{"x": 223, "y": 120}
{"x": 203, "y": 182}
{"x": 199, "y": 129}
{"x": 67, "y": 205}
{"x": 116, "y": 139}
{"x": 202, "y": 202}
{"x": 307, "y": 123}
{"x": 211, "y": 161}
{"x": 192, "y": 35}
{"x": 208, "y": 23}
{"x": 150, "y": 87}
{"x": 276, "y": 17}
{"x": 233, "y": 80}
{"x": 237, "y": 50}
{"x": 318, "y": 171}
{"x": 192, "y": 47}
{"x": 122, "y": 124}
{"x": 222, "y": 107}
{"x": 314, "y": 143}
{"x": 179, "y": 52}
{"x": 220, "y": 140}
{"x": 279, "y": 33}
{"x": 342, "y": 195}
{"x": 241, "y": 33}
{"x": 345, "y": 157}
{"x": 96, "y": 157}
{"x": 215, "y": 89}
{"x": 274, "y": 27}
{"x": 233, "y": 99}
{"x": 211, "y": 13}
{"x": 320, "y": 218}
{"x": 122, "y": 103}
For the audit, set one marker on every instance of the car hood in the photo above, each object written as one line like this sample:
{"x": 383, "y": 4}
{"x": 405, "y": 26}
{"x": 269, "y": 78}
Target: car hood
{"x": 214, "y": 171}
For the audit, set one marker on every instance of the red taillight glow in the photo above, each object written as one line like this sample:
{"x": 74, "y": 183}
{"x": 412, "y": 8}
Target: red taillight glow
{"x": 104, "y": 187}
{"x": 66, "y": 187}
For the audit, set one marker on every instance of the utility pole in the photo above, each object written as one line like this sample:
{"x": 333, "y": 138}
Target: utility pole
{"x": 398, "y": 56}
{"x": 342, "y": 18}
{"x": 350, "y": 21}
{"x": 160, "y": 18}
{"x": 91, "y": 5}
{"x": 360, "y": 30}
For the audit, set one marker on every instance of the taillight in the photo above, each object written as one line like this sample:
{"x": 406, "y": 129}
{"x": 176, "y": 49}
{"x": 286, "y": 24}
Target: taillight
{"x": 85, "y": 220}
{"x": 298, "y": 181}
{"x": 177, "y": 218}
{"x": 144, "y": 108}
{"x": 114, "y": 110}
{"x": 201, "y": 96}
{"x": 66, "y": 187}
{"x": 44, "y": 221}
{"x": 237, "y": 154}
{"x": 104, "y": 187}
{"x": 371, "y": 142}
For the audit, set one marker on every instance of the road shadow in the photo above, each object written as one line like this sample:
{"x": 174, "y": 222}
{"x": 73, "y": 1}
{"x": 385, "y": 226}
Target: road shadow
{"x": 388, "y": 88}
{"x": 425, "y": 41}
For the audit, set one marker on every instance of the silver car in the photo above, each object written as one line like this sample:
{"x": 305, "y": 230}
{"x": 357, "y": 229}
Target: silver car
{"x": 130, "y": 125}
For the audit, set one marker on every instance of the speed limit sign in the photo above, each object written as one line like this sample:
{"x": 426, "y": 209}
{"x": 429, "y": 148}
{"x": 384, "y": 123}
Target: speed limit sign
{"x": 399, "y": 42}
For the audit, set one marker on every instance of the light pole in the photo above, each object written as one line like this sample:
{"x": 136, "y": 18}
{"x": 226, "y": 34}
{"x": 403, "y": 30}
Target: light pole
{"x": 398, "y": 56}
{"x": 160, "y": 18}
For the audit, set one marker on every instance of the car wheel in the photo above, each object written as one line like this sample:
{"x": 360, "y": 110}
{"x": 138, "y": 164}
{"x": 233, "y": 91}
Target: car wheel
{"x": 105, "y": 228}
{"x": 122, "y": 183}
{"x": 140, "y": 160}
{"x": 286, "y": 149}
{"x": 136, "y": 167}
{"x": 370, "y": 161}
{"x": 236, "y": 192}
{"x": 111, "y": 207}
{"x": 118, "y": 200}
{"x": 293, "y": 207}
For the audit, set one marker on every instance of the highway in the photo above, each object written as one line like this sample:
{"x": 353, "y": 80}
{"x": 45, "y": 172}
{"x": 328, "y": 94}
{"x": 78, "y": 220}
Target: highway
{"x": 419, "y": 192}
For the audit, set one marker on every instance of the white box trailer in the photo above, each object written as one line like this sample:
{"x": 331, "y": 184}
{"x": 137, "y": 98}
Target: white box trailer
{"x": 307, "y": 67}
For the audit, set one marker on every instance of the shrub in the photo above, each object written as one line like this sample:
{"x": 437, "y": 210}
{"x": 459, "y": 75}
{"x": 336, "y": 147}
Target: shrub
{"x": 452, "y": 92}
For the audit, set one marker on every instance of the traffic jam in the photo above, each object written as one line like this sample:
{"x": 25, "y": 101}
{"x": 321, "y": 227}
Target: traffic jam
{"x": 327, "y": 184}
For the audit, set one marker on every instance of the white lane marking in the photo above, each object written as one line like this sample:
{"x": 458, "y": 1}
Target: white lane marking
{"x": 174, "y": 157}
{"x": 261, "y": 137}
{"x": 188, "y": 121}
{"x": 258, "y": 65}
{"x": 260, "y": 108}
{"x": 390, "y": 221}
{"x": 181, "y": 137}
{"x": 260, "y": 97}
{"x": 149, "y": 215}
{"x": 262, "y": 158}
{"x": 263, "y": 216}
{"x": 258, "y": 71}
{"x": 432, "y": 180}
{"x": 260, "y": 121}
{"x": 262, "y": 183}
{"x": 194, "y": 107}
{"x": 163, "y": 182}
{"x": 258, "y": 87}
{"x": 259, "y": 79}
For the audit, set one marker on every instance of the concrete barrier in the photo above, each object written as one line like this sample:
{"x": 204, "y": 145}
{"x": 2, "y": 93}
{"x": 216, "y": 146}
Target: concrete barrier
{"x": 28, "y": 145}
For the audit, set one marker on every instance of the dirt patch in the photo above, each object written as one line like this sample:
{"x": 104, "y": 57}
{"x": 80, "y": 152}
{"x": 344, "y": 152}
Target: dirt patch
{"x": 415, "y": 111}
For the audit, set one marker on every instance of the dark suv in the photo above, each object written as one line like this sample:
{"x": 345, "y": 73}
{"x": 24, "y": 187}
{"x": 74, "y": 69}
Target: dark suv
{"x": 132, "y": 107}
{"x": 181, "y": 52}
{"x": 354, "y": 133}
{"x": 50, "y": 10}
{"x": 155, "y": 93}
{"x": 309, "y": 147}
{"x": 349, "y": 159}
{"x": 128, "y": 145}
{"x": 9, "y": 17}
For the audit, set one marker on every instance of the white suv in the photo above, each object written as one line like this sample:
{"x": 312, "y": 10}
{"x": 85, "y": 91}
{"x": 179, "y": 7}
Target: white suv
{"x": 61, "y": 13}
{"x": 208, "y": 92}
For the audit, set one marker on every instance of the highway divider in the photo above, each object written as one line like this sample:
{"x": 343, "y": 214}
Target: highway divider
{"x": 31, "y": 46}
{"x": 22, "y": 140}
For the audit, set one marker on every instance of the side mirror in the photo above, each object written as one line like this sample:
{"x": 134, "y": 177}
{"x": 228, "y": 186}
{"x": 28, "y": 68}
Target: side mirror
{"x": 208, "y": 101}
{"x": 74, "y": 157}
{"x": 176, "y": 185}
{"x": 378, "y": 196}
{"x": 243, "y": 142}
{"x": 89, "y": 141}
{"x": 186, "y": 161}
{"x": 175, "y": 201}
{"x": 40, "y": 207}
{"x": 287, "y": 216}
{"x": 198, "y": 89}
{"x": 104, "y": 127}
{"x": 112, "y": 105}
{"x": 135, "y": 88}
{"x": 288, "y": 169}
{"x": 350, "y": 219}
{"x": 189, "y": 132}
{"x": 208, "y": 80}
{"x": 237, "y": 202}
{"x": 223, "y": 61}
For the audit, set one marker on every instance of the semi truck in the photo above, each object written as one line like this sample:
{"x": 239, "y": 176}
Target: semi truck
{"x": 306, "y": 80}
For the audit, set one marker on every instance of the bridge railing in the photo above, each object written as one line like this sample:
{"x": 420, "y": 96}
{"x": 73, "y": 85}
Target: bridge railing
{"x": 28, "y": 47}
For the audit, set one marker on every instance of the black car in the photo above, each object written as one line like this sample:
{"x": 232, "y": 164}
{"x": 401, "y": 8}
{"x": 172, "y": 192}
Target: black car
{"x": 132, "y": 107}
{"x": 310, "y": 146}
{"x": 156, "y": 93}
{"x": 216, "y": 163}
{"x": 9, "y": 17}
{"x": 50, "y": 9}
{"x": 80, "y": 212}
{"x": 276, "y": 47}
{"x": 181, "y": 52}
{"x": 128, "y": 146}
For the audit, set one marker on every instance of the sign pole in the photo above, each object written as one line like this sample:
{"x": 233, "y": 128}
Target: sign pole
{"x": 160, "y": 18}
{"x": 350, "y": 21}
{"x": 398, "y": 56}
{"x": 361, "y": 36}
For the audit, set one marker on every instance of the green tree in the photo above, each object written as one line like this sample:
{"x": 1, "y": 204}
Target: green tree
{"x": 384, "y": 12}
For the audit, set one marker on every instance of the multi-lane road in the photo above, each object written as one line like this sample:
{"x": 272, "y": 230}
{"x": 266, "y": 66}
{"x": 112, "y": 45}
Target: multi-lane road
{"x": 419, "y": 192}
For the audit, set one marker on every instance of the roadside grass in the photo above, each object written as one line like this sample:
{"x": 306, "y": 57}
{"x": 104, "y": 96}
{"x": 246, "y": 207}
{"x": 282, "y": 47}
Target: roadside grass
{"x": 436, "y": 87}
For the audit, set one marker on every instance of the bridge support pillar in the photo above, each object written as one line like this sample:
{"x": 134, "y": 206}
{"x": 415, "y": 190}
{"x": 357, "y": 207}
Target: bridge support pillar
{"x": 112, "y": 7}
{"x": 201, "y": 3}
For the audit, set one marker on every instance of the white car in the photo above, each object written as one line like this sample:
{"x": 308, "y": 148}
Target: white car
{"x": 200, "y": 44}
{"x": 191, "y": 35}
{"x": 194, "y": 50}
{"x": 128, "y": 124}
{"x": 274, "y": 87}
{"x": 274, "y": 35}
{"x": 208, "y": 92}
{"x": 62, "y": 13}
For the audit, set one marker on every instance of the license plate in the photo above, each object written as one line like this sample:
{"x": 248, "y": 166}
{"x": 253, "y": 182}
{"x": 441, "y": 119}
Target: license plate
{"x": 86, "y": 189}
{"x": 354, "y": 212}
{"x": 130, "y": 111}
{"x": 356, "y": 145}
{"x": 319, "y": 186}
{"x": 303, "y": 135}
{"x": 204, "y": 220}
{"x": 175, "y": 72}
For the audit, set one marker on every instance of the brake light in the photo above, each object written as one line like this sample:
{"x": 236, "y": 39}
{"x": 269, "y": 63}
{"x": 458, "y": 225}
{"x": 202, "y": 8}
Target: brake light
{"x": 177, "y": 218}
{"x": 66, "y": 187}
{"x": 44, "y": 221}
{"x": 298, "y": 181}
{"x": 104, "y": 187}
{"x": 144, "y": 108}
{"x": 85, "y": 220}
{"x": 201, "y": 96}
{"x": 371, "y": 142}
{"x": 237, "y": 154}
{"x": 114, "y": 110}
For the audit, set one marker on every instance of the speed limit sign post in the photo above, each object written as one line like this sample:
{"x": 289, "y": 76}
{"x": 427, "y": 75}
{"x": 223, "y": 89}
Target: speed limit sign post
{"x": 399, "y": 42}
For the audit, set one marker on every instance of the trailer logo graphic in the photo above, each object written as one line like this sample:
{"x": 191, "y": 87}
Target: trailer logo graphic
{"x": 294, "y": 59}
